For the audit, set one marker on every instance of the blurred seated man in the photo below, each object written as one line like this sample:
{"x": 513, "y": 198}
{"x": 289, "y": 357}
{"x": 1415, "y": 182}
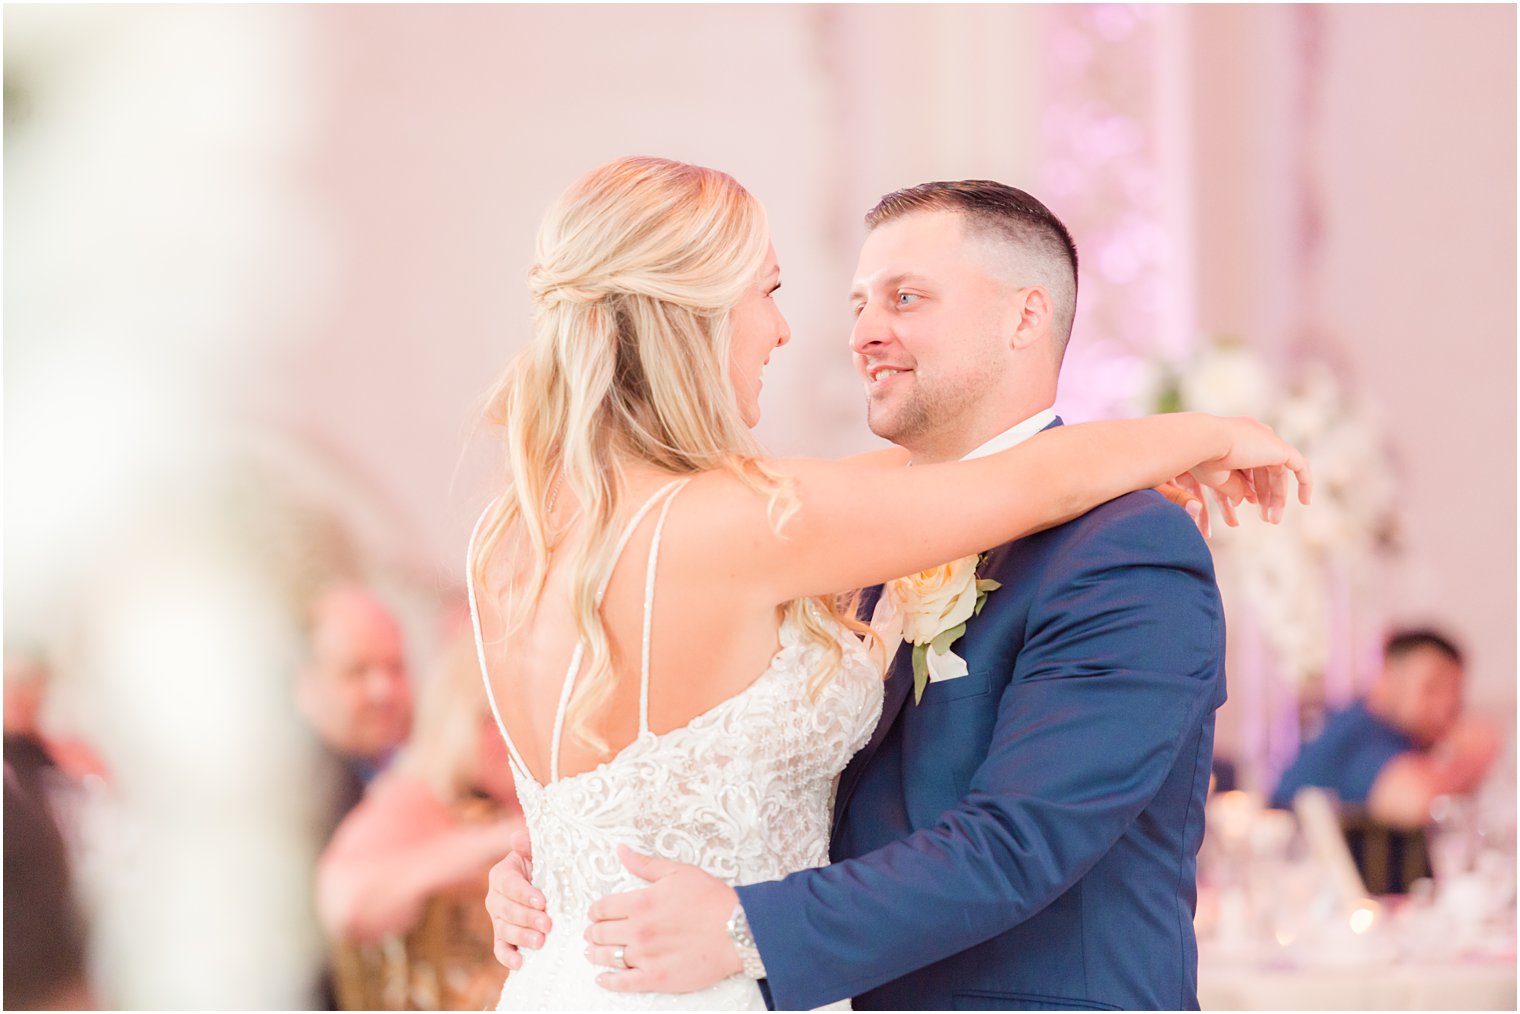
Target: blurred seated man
{"x": 353, "y": 690}
{"x": 1405, "y": 743}
{"x": 423, "y": 839}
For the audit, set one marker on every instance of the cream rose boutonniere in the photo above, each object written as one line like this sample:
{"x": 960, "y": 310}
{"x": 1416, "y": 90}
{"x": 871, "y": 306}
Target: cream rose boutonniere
{"x": 934, "y": 606}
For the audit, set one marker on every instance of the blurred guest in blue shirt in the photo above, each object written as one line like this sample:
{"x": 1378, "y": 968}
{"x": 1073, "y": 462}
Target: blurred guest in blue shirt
{"x": 1405, "y": 743}
{"x": 354, "y": 692}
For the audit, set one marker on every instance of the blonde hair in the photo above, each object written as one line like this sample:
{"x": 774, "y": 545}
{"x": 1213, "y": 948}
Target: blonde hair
{"x": 637, "y": 268}
{"x": 444, "y": 746}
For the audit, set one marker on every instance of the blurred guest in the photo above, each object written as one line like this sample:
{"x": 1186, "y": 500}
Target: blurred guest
{"x": 434, "y": 822}
{"x": 1403, "y": 745}
{"x": 353, "y": 690}
{"x": 25, "y": 683}
{"x": 27, "y": 676}
{"x": 44, "y": 936}
{"x": 1223, "y": 776}
{"x": 441, "y": 815}
{"x": 59, "y": 772}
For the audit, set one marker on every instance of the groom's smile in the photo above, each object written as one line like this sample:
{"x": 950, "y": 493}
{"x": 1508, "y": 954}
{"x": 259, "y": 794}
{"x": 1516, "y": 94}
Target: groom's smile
{"x": 890, "y": 386}
{"x": 886, "y": 383}
{"x": 877, "y": 374}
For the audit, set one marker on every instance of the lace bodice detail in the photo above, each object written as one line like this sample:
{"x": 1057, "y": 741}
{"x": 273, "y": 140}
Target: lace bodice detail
{"x": 745, "y": 791}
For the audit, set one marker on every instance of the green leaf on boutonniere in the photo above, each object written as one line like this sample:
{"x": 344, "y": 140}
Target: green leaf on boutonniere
{"x": 983, "y": 586}
{"x": 945, "y": 638}
{"x": 920, "y": 671}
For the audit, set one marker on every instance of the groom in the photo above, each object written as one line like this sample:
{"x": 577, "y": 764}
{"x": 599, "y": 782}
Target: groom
{"x": 1025, "y": 835}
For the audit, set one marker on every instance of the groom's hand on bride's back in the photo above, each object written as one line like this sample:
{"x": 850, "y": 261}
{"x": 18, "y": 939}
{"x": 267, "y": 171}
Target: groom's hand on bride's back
{"x": 516, "y": 907}
{"x": 669, "y": 937}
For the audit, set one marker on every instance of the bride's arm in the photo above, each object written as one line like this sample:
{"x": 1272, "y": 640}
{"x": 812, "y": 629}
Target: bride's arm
{"x": 862, "y": 522}
{"x": 895, "y": 457}
{"x": 1182, "y": 490}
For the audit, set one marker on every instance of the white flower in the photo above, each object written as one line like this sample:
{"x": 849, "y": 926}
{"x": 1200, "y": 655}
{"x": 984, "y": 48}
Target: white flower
{"x": 1229, "y": 380}
{"x": 935, "y": 600}
{"x": 934, "y": 606}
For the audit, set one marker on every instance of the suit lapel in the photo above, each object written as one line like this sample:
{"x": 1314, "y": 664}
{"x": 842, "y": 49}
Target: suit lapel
{"x": 899, "y": 685}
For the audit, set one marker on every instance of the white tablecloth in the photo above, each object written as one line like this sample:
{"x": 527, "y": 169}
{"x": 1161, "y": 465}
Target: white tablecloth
{"x": 1457, "y": 985}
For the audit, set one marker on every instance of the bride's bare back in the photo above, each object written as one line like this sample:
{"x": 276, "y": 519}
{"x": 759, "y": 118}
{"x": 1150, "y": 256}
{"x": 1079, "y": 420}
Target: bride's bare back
{"x": 709, "y": 636}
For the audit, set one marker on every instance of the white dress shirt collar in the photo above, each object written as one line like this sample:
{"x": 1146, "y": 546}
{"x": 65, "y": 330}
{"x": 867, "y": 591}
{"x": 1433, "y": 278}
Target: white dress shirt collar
{"x": 1014, "y": 435}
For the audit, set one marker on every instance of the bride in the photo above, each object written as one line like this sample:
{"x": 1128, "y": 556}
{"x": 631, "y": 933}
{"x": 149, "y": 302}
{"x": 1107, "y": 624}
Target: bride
{"x": 653, "y": 594}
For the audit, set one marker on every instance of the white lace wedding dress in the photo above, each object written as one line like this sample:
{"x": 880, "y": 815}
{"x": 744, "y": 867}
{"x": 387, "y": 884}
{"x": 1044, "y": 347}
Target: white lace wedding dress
{"x": 745, "y": 791}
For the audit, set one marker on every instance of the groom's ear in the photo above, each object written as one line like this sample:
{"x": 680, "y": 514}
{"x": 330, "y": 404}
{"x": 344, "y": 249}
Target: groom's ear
{"x": 1033, "y": 309}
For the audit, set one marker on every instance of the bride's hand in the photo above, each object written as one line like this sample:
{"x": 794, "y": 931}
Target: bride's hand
{"x": 1186, "y": 492}
{"x": 1255, "y": 468}
{"x": 516, "y": 907}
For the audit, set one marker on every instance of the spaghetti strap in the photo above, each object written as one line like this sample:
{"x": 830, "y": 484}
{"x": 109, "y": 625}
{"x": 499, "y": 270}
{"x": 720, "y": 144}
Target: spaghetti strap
{"x": 580, "y": 646}
{"x": 654, "y": 558}
{"x": 480, "y": 644}
{"x": 667, "y": 493}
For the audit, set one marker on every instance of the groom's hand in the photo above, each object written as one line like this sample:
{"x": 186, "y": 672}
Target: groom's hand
{"x": 674, "y": 933}
{"x": 516, "y": 906}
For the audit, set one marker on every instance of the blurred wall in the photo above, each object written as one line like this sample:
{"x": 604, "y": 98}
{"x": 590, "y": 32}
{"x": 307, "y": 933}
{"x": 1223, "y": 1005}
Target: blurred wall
{"x": 1355, "y": 175}
{"x": 1418, "y": 292}
{"x": 446, "y": 132}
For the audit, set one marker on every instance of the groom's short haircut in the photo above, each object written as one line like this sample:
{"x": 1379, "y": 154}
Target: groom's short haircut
{"x": 1009, "y": 214}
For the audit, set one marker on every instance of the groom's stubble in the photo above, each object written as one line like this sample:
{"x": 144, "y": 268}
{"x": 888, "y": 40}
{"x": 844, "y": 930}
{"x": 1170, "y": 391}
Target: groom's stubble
{"x": 937, "y": 408}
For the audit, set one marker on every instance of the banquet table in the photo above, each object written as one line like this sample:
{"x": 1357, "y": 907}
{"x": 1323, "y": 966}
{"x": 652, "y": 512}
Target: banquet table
{"x": 1235, "y": 983}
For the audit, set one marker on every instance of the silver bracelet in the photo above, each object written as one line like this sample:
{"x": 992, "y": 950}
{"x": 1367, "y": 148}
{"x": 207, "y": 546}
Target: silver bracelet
{"x": 744, "y": 943}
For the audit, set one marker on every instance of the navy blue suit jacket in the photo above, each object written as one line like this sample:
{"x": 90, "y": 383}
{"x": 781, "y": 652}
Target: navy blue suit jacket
{"x": 1026, "y": 837}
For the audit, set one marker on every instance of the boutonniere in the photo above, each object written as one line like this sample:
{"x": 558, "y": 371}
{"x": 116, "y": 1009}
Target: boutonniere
{"x": 934, "y": 606}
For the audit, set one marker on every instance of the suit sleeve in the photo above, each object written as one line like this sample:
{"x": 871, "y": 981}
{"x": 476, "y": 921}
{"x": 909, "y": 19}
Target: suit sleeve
{"x": 1122, "y": 657}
